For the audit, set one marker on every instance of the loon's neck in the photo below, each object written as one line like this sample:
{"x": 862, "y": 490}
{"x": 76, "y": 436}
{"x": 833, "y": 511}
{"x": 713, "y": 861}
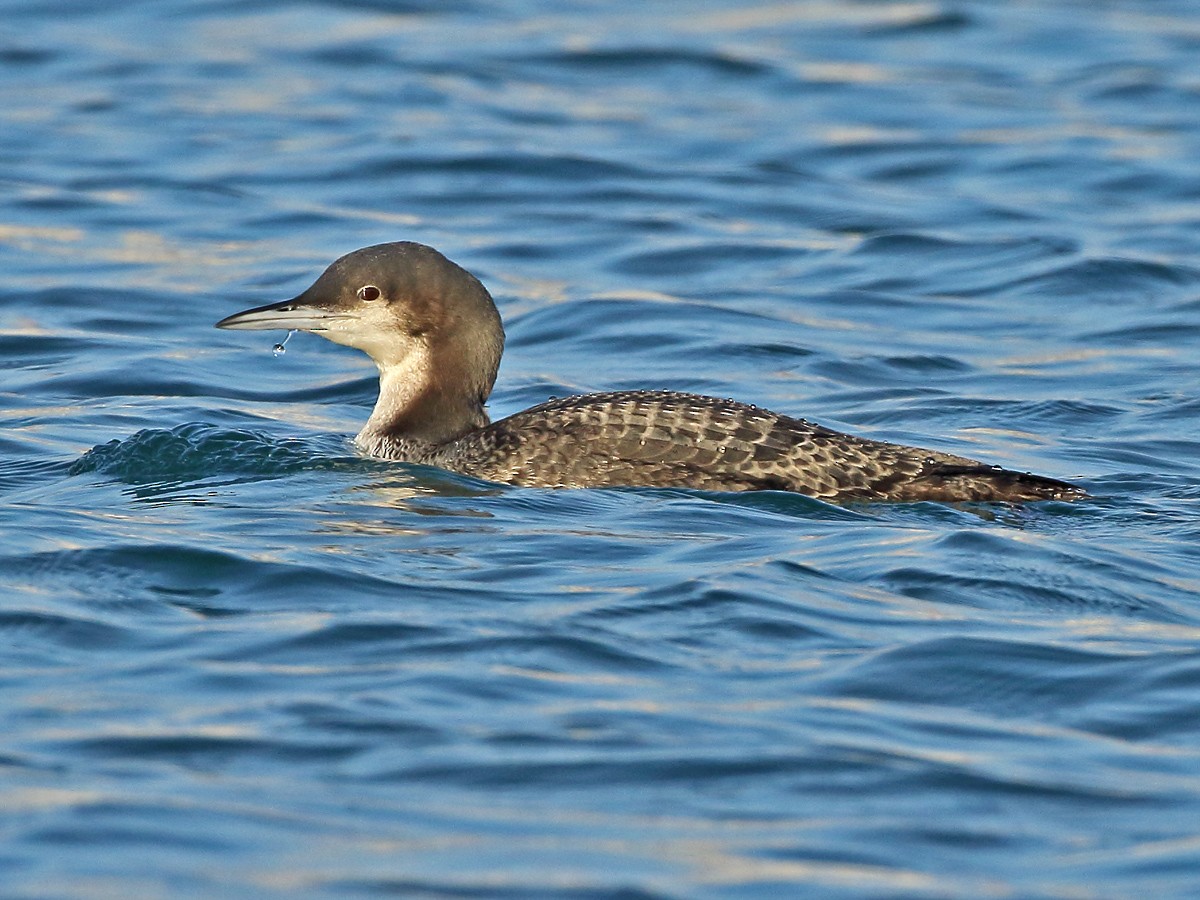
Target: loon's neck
{"x": 420, "y": 407}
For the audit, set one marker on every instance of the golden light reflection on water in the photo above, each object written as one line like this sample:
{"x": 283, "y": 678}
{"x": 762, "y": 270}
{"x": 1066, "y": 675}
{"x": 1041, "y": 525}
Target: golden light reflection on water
{"x": 41, "y": 799}
{"x": 731, "y": 851}
{"x": 162, "y": 262}
{"x": 173, "y": 264}
{"x": 1101, "y": 359}
{"x": 831, "y": 13}
{"x": 26, "y": 237}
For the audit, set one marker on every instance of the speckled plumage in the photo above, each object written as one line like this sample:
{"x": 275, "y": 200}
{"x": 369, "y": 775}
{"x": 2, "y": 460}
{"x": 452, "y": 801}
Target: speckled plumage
{"x": 667, "y": 439}
{"x": 434, "y": 332}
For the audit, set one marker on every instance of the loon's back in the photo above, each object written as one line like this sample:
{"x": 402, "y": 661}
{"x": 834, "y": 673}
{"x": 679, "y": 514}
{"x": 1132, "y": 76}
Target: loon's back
{"x": 668, "y": 439}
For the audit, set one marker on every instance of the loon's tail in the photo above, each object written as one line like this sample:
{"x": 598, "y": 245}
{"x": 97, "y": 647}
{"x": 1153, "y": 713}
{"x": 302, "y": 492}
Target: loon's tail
{"x": 955, "y": 483}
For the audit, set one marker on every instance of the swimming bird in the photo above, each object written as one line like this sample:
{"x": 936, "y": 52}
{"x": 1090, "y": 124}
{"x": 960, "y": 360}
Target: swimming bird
{"x": 434, "y": 332}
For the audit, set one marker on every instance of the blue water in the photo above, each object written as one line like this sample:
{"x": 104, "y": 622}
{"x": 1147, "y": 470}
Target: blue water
{"x": 238, "y": 659}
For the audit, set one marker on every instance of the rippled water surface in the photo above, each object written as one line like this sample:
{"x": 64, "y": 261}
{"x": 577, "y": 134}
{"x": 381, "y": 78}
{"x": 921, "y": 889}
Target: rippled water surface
{"x": 239, "y": 659}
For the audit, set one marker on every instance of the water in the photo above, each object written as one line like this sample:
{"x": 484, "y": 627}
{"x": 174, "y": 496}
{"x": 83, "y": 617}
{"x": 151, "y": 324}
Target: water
{"x": 238, "y": 659}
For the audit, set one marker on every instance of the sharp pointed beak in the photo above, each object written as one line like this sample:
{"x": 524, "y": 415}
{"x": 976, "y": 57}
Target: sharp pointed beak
{"x": 289, "y": 315}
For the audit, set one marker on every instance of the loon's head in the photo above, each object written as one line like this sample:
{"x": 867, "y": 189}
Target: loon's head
{"x": 429, "y": 325}
{"x": 407, "y": 307}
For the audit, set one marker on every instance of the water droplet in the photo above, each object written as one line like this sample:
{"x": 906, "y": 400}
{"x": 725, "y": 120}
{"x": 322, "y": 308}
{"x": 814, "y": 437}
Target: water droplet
{"x": 281, "y": 348}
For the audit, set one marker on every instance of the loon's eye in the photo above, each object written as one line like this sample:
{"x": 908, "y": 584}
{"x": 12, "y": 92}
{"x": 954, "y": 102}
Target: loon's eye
{"x": 368, "y": 292}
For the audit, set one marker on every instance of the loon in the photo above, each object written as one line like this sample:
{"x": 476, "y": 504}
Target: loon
{"x": 434, "y": 332}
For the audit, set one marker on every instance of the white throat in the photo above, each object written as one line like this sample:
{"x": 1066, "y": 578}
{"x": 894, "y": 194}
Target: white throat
{"x": 419, "y": 407}
{"x": 401, "y": 386}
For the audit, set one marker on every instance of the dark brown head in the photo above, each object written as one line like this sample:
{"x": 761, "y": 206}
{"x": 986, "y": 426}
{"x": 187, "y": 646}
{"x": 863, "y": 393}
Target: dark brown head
{"x": 404, "y": 305}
